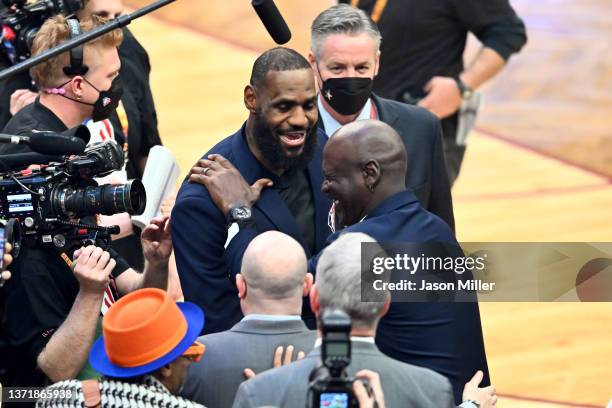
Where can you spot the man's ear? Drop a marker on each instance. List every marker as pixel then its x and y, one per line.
pixel 371 174
pixel 314 300
pixel 241 285
pixel 76 86
pixel 165 371
pixel 308 281
pixel 250 98
pixel 315 70
pixel 385 308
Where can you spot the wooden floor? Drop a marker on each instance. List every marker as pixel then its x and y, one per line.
pixel 539 168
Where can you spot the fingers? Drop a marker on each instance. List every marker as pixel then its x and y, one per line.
pixel 278 354
pixel 84 254
pixel 288 355
pixel 477 378
pixel 300 355
pixel 109 267
pixel 248 373
pixel 95 255
pixel 7 247
pixel 360 393
pixel 221 160
pixel 261 184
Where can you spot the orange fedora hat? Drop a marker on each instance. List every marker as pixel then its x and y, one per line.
pixel 144 331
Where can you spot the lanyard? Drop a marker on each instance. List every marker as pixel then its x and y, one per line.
pixel 377 11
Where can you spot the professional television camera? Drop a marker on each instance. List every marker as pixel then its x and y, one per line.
pixel 330 387
pixel 49 201
pixel 21 20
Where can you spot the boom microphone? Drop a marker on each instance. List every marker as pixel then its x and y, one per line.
pixel 272 20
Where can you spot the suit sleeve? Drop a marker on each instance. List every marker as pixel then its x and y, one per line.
pixel 198 235
pixel 440 201
pixel 243 397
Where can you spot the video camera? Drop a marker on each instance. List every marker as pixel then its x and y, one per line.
pixel 330 387
pixel 20 22
pixel 48 201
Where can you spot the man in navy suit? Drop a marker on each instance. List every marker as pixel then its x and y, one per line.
pixel 345 56
pixel 364 164
pixel 280 147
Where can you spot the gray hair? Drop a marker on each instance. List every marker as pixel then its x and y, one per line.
pixel 341 19
pixel 338 280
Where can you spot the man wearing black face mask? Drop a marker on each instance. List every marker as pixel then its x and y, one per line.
pixel 278 147
pixel 69 96
pixel 53 304
pixel 345 57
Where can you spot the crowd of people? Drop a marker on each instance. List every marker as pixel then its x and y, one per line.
pixel 267 227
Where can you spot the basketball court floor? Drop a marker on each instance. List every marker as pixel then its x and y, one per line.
pixel 538 167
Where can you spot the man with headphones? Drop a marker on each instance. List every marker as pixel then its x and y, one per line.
pixel 53 304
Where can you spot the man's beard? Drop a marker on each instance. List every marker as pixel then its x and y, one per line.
pixel 268 143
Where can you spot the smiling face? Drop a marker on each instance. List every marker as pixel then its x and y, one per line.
pixel 285 118
pixel 344 183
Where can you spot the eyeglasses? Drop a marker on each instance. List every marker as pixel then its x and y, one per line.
pixel 195 352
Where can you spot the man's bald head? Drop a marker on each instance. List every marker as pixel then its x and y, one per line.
pixel 364 163
pixel 365 140
pixel 274 267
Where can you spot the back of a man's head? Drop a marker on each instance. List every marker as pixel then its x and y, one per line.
pixel 55 31
pixel 274 268
pixel 338 281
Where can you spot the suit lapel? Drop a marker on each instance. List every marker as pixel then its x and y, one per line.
pixel 384 115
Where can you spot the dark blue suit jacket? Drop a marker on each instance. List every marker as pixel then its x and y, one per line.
pixel 446 337
pixel 206 268
pixel 422 135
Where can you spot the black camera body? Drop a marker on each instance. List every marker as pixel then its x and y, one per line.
pixel 21 21
pixel 330 387
pixel 48 202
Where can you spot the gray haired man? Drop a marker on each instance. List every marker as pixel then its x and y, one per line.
pixel 345 57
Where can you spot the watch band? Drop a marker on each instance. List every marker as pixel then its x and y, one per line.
pixel 464 90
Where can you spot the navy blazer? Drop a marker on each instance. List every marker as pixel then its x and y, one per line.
pixel 445 337
pixel 206 267
pixel 422 135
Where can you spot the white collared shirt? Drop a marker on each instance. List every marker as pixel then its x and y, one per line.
pixel 370 340
pixel 331 125
pixel 270 318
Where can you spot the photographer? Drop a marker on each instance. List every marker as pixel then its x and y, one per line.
pixel 53 305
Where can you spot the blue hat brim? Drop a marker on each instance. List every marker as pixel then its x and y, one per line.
pixel 195 323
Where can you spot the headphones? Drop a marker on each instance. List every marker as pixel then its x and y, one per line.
pixel 76 66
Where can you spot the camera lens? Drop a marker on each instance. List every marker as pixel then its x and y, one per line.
pixel 106 200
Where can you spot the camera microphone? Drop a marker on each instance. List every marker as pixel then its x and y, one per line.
pixel 273 20
pixel 72 141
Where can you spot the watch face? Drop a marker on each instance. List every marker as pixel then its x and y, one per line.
pixel 241 213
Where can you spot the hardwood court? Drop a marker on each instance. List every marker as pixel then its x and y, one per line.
pixel 538 169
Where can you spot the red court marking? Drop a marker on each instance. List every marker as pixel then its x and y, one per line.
pixel 548 401
pixel 525 146
pixel 511 195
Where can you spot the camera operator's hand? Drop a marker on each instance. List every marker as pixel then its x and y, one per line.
pixel 156 241
pixel 21 98
pixel 485 397
pixel 4 274
pixel 281 357
pixel 225 184
pixel 367 400
pixel 93 268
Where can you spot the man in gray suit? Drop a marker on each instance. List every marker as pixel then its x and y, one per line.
pixel 271 286
pixel 338 286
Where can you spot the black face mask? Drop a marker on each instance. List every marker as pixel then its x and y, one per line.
pixel 347 95
pixel 107 101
